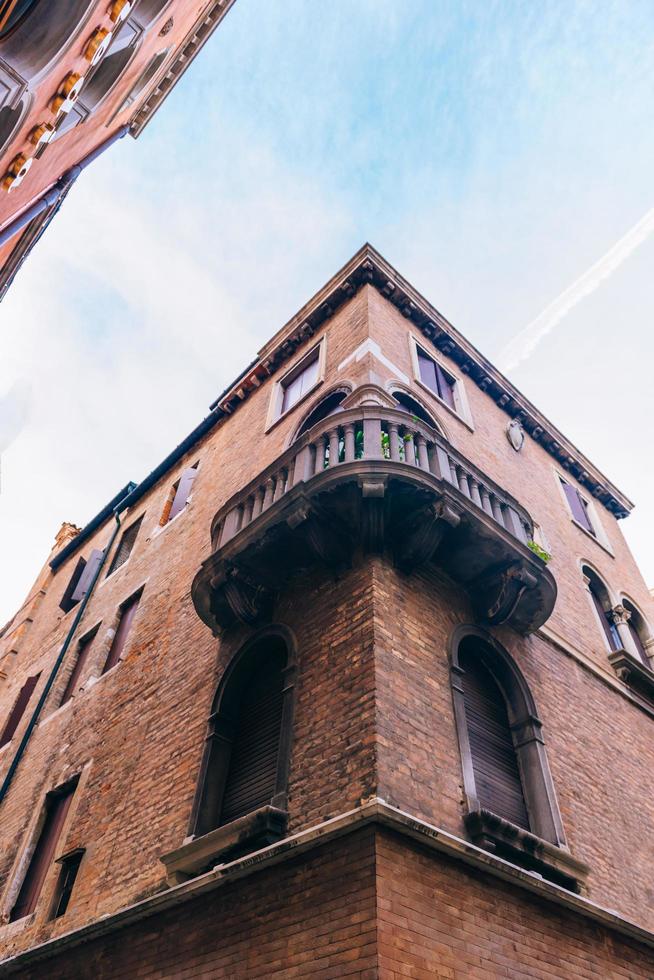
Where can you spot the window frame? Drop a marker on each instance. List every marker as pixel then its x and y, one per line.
pixel 543 848
pixel 219 760
pixel 276 411
pixel 599 537
pixel 461 411
pixel 133 600
pixel 112 568
pixel 603 627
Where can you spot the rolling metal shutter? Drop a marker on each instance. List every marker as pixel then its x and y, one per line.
pixel 494 759
pixel 252 771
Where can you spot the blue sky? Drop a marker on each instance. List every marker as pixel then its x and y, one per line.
pixel 491 151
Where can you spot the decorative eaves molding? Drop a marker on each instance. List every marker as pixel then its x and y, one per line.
pixel 187 51
pixel 368 267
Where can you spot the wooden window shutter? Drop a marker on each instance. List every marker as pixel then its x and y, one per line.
pixel 120 637
pixel 56 810
pixel 67 601
pixel 578 506
pixel 18 709
pixel 87 575
pixel 125 546
pixel 252 773
pixel 427 369
pixel 183 492
pixel 82 655
pixel 494 758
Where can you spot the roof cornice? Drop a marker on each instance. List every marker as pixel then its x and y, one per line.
pixel 368 267
pixel 189 48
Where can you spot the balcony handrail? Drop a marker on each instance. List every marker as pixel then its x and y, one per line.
pixel 368 433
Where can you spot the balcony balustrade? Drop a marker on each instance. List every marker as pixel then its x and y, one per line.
pixel 377 479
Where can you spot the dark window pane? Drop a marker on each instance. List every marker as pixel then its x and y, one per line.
pixel 18 709
pixel 120 638
pixel 69 868
pixel 610 630
pixel 83 649
pixel 56 810
pixel 125 546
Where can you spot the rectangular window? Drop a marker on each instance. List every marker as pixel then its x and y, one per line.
pixel 178 497
pixel 125 547
pixel 127 614
pixel 83 648
pixel 18 710
pixel 300 381
pixel 436 379
pixel 81 580
pixel 57 805
pixel 69 867
pixel 578 506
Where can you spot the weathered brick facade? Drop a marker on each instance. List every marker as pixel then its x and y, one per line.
pixel 362 883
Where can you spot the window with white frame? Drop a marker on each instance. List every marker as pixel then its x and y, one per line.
pixel 298 382
pixel 439 381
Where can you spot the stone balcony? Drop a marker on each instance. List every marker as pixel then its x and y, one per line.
pixel 374 478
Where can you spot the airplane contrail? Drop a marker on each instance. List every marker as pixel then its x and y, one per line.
pixel 525 342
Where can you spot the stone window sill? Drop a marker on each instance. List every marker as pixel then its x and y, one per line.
pixel 249 833
pixel 633 672
pixel 521 847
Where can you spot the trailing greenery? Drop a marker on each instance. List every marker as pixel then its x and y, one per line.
pixel 539 552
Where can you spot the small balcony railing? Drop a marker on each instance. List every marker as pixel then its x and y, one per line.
pixel 375 477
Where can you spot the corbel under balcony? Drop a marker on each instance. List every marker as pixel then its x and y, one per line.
pixel 633 672
pixel 373 478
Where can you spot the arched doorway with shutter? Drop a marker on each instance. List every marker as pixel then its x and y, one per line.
pixel 511 806
pixel 244 772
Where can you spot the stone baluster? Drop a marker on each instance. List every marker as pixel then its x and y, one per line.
pixel 349 442
pixel 269 493
pixel 303 469
pixel 258 502
pixel 421 451
pixel 394 441
pixel 333 447
pixel 474 491
pixel 497 510
pixel 463 481
pixel 443 470
pixel 485 501
pixel 513 523
pixel 280 484
pixel 409 449
pixel 372 445
pixel 247 513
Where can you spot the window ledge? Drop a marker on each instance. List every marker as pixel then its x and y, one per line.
pixel 162 528
pixel 499 836
pixel 249 833
pixel 459 416
pixel 593 537
pixel 632 672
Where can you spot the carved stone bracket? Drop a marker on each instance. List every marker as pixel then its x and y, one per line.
pixel 499 592
pixel 418 536
pixel 249 601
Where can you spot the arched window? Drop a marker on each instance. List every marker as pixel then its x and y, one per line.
pixel 406 403
pixel 601 601
pixel 511 803
pixel 639 631
pixel 245 768
pixel 494 758
pixel 112 66
pixel 328 405
pixel 10 119
pixel 34 32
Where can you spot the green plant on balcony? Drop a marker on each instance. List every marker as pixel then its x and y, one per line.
pixel 544 556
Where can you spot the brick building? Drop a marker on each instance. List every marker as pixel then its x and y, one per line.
pixel 75 76
pixel 356 682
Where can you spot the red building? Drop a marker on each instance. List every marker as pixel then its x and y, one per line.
pixel 356 683
pixel 75 76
